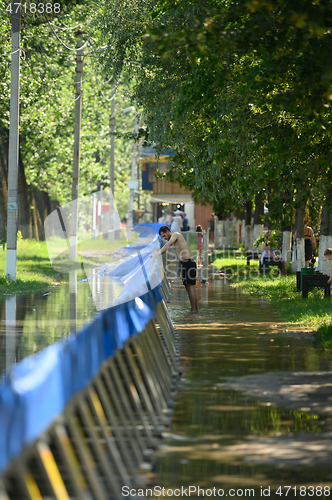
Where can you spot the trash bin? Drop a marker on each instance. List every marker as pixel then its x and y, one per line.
pixel 306 270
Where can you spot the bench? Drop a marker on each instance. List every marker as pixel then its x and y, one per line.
pixel 310 281
pixel 266 264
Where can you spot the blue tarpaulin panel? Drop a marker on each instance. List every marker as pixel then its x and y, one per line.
pixel 152 225
pixel 37 389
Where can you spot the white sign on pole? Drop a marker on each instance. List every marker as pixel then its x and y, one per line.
pixel 133 184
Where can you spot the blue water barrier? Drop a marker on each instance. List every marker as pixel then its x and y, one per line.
pixel 38 388
pixel 123 365
pixel 131 269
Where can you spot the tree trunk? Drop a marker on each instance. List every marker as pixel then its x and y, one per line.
pixel 286 246
pixel 34 214
pixel 42 208
pixel 299 227
pixel 30 220
pixel 258 228
pixel 247 240
pixel 39 212
pixel 23 201
pixel 271 205
pixel 240 215
pixel 287 236
pixel 324 235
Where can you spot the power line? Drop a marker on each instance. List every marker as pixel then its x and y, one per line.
pixel 88 76
pixel 54 80
pixel 66 28
pixel 68 48
pixel 17 50
pixel 103 85
pixel 49 94
pixel 111 99
pixel 94 50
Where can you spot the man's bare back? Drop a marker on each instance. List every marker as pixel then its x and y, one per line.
pixel 181 246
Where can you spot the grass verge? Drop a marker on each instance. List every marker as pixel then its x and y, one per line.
pixel 313 312
pixel 324 336
pixel 34 271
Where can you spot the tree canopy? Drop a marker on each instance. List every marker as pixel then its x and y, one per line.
pixel 241 90
pixel 47 105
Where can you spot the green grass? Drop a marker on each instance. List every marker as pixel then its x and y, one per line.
pixel 236 266
pixel 34 271
pixel 313 312
pixel 324 336
pixel 103 244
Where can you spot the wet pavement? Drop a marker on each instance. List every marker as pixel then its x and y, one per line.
pixel 244 425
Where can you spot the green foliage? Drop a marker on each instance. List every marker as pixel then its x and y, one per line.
pixel 19 237
pixel 47 106
pixel 240 90
pixel 268 239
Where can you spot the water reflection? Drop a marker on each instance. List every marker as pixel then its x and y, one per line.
pixel 73 300
pixel 10 335
pixel 225 438
pixel 28 324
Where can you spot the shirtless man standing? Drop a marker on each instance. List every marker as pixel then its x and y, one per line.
pixel 187 264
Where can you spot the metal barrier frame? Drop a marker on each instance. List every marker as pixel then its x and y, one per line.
pixel 106 436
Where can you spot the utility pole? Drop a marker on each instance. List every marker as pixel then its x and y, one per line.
pixel 138 194
pixel 99 210
pixel 132 183
pixel 112 197
pixel 13 150
pixel 77 138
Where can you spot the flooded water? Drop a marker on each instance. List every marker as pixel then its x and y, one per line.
pixel 242 425
pixel 225 440
pixel 28 324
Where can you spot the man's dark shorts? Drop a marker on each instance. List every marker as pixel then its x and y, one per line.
pixel 188 271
